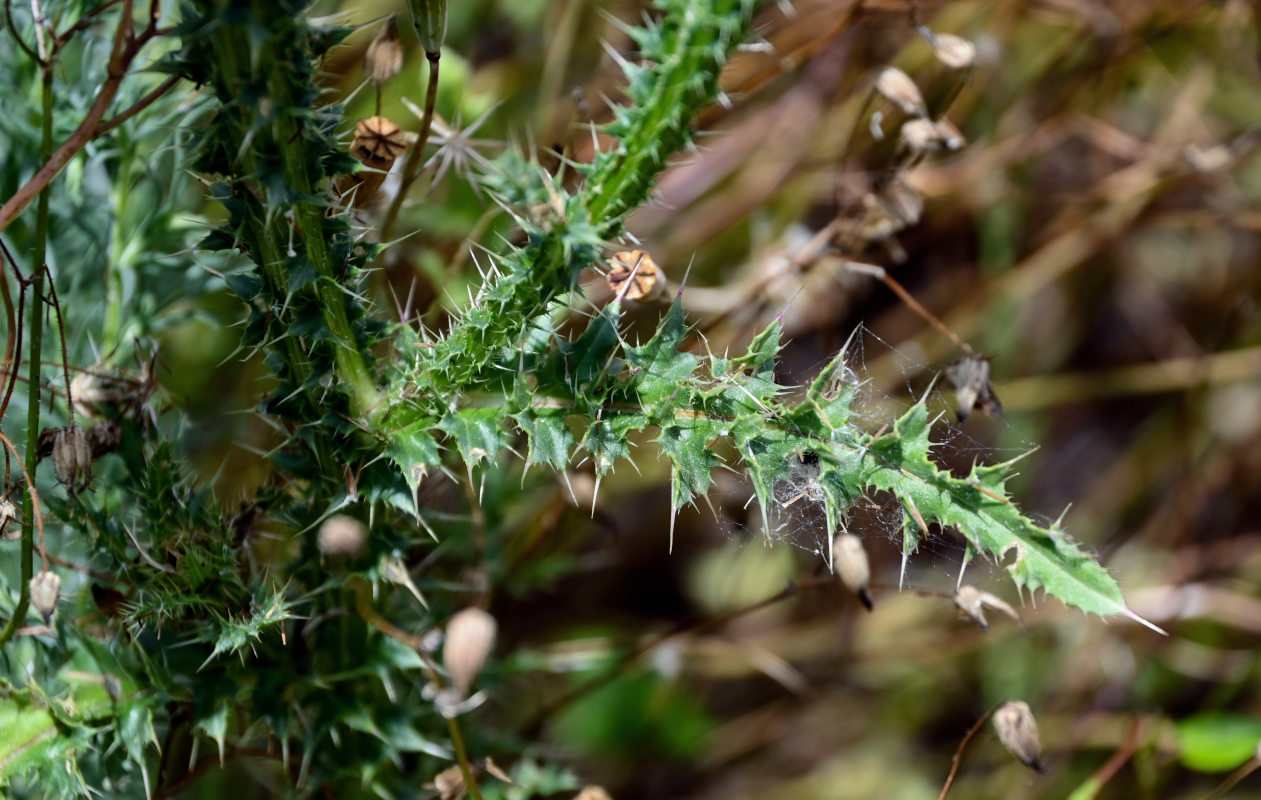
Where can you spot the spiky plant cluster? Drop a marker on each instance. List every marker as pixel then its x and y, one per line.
pixel 220 655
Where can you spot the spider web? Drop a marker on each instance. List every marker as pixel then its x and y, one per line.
pixel 887 381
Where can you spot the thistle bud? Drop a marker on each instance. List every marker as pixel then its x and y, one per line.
pixel 635 276
pixel 1018 731
pixel 897 87
pixel 384 57
pixel 470 637
pixel 72 458
pixel 45 588
pixel 430 19
pixel 342 536
pixel 850 561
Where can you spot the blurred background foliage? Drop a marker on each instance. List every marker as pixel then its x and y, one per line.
pixel 1096 237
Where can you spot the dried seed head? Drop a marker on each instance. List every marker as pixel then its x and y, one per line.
pixel 1018 731
pixel 72 458
pixel 430 19
pixel 104 436
pixel 950 136
pixel 45 588
pixel 470 637
pixel 923 136
pixel 384 57
pixel 973 602
pixel 593 793
pixel 971 379
pixel 449 784
pixel 395 571
pixel 851 564
pixel 378 142
pixel 342 536
pixel 635 276
pixel 8 513
pixel 953 51
pixel 897 87
pixel 903 203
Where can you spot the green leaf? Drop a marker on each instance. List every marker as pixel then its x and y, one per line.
pixel 549 436
pixel 414 451
pixel 658 367
pixel 1218 741
pixel 476 431
pixel 28 732
pixel 687 445
pixel 1042 558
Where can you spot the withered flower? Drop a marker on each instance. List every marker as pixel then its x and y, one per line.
pixel 341 535
pixel 470 637
pixel 8 513
pixel 971 379
pixel 1018 731
pixel 384 57
pixel 72 458
pixel 973 602
pixel 45 589
pixel 852 566
pixel 897 87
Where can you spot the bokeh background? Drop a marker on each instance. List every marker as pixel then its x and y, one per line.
pixel 1096 237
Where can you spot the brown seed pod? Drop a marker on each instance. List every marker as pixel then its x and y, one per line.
pixel 897 87
pixel 341 535
pixel 850 562
pixel 377 145
pixel 72 458
pixel 635 276
pixel 954 58
pixel 973 602
pixel 384 57
pixel 45 589
pixel 470 637
pixel 378 142
pixel 8 513
pixel 1018 731
pixel 971 379
pixel 395 571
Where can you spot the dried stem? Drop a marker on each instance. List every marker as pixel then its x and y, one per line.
pixel 881 274
pixel 411 165
pixel 958 756
pixel 126 46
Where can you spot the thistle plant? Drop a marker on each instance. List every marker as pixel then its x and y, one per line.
pixel 201 639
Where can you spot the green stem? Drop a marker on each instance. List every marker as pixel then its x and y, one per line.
pixel 36 321
pixel 461 757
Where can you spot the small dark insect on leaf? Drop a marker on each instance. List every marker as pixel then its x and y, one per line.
pixel 971 379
